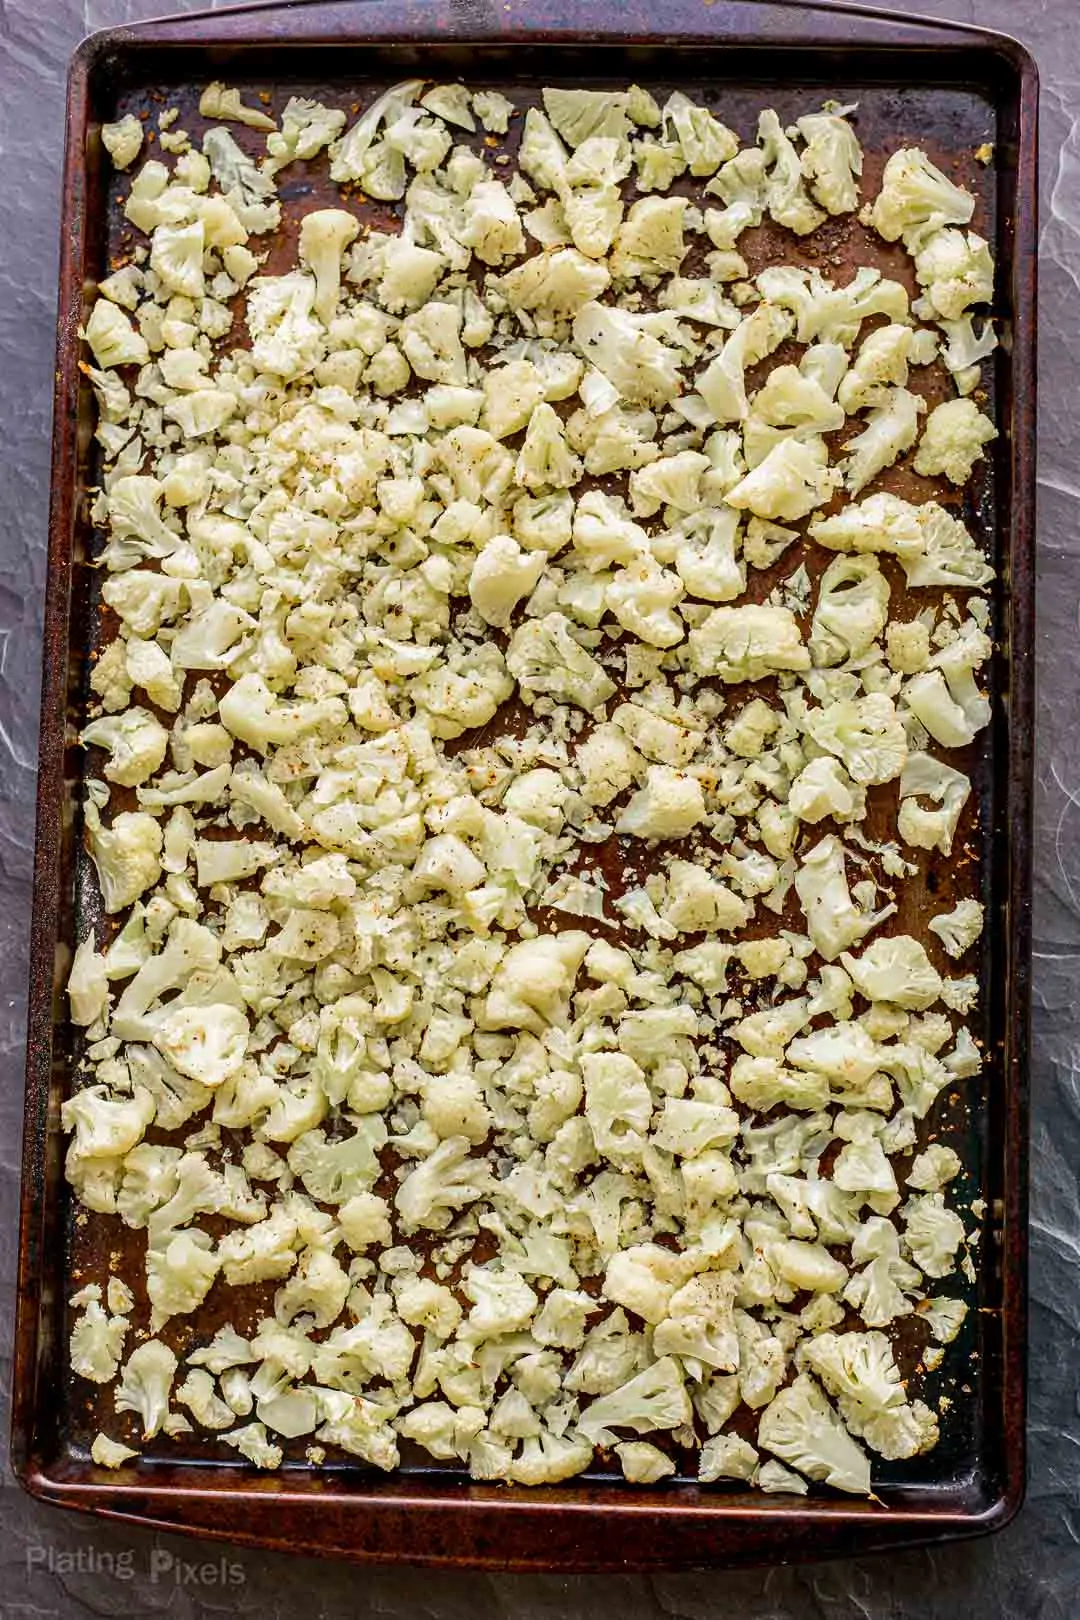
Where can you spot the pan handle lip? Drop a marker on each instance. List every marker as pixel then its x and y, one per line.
pixel 794 22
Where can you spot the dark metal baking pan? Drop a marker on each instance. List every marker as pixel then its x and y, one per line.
pixel 947 87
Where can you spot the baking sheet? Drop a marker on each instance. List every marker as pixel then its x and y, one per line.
pixel 968 1468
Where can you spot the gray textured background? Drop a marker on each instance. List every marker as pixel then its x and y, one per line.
pixel 54 1564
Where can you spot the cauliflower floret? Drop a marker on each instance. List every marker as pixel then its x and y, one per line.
pixel 642 1463
pixel 533 982
pixel 650 239
pixel 218 101
pixel 722 384
pixel 113 338
pixel 880 365
pixel 655 1399
pixel 949 789
pixel 747 643
pixel 466 691
pixel 823 788
pixel 959 928
pixel 642 598
pixel 629 351
pixel 892 427
pixel 700 1325
pixel 965 351
pixel 852 608
pixel 644 1277
pixel 324 236
pixel 146 1385
pixel 833 920
pixel 493 229
pixel 916 200
pixel 105 1452
pixel 137 744
pixel 88 984
pixel 800 1426
pixel 318 1288
pixel 123 142
pixel 895 969
pixel 956 270
pixel 493 110
pixel 126 855
pixel 208 1043
pixel 176 257
pixel 953 440
pixel 252 712
pixel 251 1442
pixel 544 657
pixel 696 902
pixel 556 284
pixel 287 340
pixel 502 574
pixel 791 480
pixel 831 160
pixel 545 460
pixel 440 1185
pixel 669 805
pixel 860 1371
pixel 785 190
pixel 502 1300
pixel 934 1168
pixel 907 646
pixel 727 1456
pixel 306 127
pixel 97 1343
pixel 360 155
pixel 932 1234
pixel 618 1105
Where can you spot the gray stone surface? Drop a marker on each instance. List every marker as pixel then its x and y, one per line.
pixel 52 1564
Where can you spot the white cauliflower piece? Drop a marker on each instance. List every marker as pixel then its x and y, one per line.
pixel 324 235
pixel 654 1399
pixel 137 744
pixel 669 805
pixel 953 439
pixel 97 1343
pixel 932 1233
pixel 851 612
pixel 833 920
pixel 802 1428
pixel 440 1185
pixel 916 200
pixel 956 270
pixel 895 969
pixel 786 196
pixel 892 427
pixel 545 658
pixel 123 140
pixel 88 984
pixel 747 643
pixel 788 483
pixel 629 351
pixel 501 576
pixel 959 928
pixel 113 338
pixel 831 160
pixel 618 1105
pixel 146 1385
pixel 126 855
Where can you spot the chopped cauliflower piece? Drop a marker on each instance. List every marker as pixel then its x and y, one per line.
pixel 953 439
